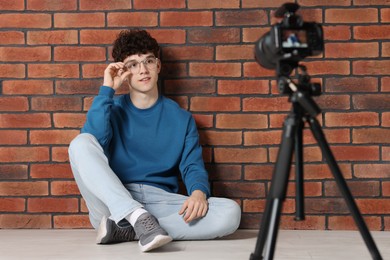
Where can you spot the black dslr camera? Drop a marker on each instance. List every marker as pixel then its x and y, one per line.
pixel 289 41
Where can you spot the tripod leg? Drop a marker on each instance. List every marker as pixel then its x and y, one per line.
pixel 270 221
pixel 299 189
pixel 319 135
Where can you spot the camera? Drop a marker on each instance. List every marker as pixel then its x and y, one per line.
pixel 289 41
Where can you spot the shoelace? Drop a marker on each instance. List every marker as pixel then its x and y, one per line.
pixel 148 223
pixel 122 234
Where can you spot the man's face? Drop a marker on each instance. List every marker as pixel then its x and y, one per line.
pixel 144 70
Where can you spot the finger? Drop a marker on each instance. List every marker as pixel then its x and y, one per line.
pixel 189 212
pixel 183 208
pixel 193 215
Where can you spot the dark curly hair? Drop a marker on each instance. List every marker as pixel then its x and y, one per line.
pixel 135 41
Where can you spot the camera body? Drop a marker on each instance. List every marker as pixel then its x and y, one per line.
pixel 289 41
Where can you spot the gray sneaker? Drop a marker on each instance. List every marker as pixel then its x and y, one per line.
pixel 110 233
pixel 149 232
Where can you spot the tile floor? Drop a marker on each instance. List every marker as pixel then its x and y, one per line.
pixel 294 245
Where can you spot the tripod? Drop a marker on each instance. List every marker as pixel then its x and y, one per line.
pixel 303 109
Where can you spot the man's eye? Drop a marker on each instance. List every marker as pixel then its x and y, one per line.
pixel 150 61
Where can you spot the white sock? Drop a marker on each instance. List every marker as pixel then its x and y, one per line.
pixel 132 218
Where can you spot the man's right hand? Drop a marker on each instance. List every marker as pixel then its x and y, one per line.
pixel 115 74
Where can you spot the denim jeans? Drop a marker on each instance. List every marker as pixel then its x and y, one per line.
pixel 106 195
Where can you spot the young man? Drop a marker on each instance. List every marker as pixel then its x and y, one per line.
pixel 127 159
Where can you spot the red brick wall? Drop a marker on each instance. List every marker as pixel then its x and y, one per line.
pixel 52 56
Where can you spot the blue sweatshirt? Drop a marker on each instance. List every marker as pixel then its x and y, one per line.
pixel 148 146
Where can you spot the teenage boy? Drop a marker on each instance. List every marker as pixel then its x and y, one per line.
pixel 130 151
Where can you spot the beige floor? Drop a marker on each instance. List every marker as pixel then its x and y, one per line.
pixel 79 244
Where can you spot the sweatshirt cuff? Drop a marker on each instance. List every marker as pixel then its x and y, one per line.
pixel 106 91
pixel 202 188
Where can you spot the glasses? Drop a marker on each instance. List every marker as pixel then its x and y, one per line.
pixel 135 66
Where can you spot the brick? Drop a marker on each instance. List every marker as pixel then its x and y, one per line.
pixel 310 223
pixel 28 87
pixel 228 87
pixel 371 101
pixel 13 171
pixel 308 15
pixel 64 188
pixel 371 67
pixel 52 136
pixel 372 32
pixel 51 171
pixel 175 53
pixel 204 121
pixel 53 70
pixel 76 20
pixel 371 2
pixel 253 69
pixel 25 20
pixel 325 205
pixel 73 87
pixel 24 154
pixel 52 205
pixel 59 154
pixel 193 18
pixel 357 15
pixel 262 137
pixel 51 5
pixel 13 137
pixel 200 69
pixel 253 205
pixel 311 189
pixel 356 153
pixel 25 53
pixel 372 170
pixel 258 172
pixel 240 155
pixel 12 71
pixel 208 137
pixel 351 50
pixel 93 70
pixel 325 3
pixel 352 84
pixel 357 188
pixel 189 86
pixel 98 36
pixel 264 3
pixel 277 120
pixel 52 37
pixel 266 104
pixel 11 37
pixel 385 84
pixel 234 52
pixel 385 15
pixel 224 172
pixel 387 223
pixel 214 35
pixel 174 70
pixel 215 104
pixel 12 5
pixel 104 5
pixel 145 19
pixel 322 171
pixel 36 221
pixel 386 188
pixel 310 154
pixel 237 190
pixel 30 120
pixel 245 17
pixel 386 119
pixel 175 36
pixel 56 103
pixel 79 53
pixel 72 221
pixel 371 136
pixel 157 5
pixel 334 136
pixel 39 188
pixel 69 120
pixel 337 32
pixel 13 104
pixel 333 102
pixel 253 34
pixel 352 119
pixel 386 153
pixel 241 121
pixel 373 206
pixel 328 67
pixel 348 223
pixel 12 204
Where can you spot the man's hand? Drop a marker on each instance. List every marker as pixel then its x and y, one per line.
pixel 114 75
pixel 194 207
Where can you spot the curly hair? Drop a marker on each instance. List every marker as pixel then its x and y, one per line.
pixel 135 41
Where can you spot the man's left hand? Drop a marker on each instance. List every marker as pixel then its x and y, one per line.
pixel 194 207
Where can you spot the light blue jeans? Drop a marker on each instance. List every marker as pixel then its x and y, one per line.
pixel 106 195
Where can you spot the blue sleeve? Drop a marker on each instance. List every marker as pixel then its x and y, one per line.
pixel 194 174
pixel 98 117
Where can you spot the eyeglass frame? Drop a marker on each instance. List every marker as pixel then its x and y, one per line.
pixel 144 62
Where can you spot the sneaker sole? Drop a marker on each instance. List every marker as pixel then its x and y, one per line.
pixel 157 242
pixel 102 231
